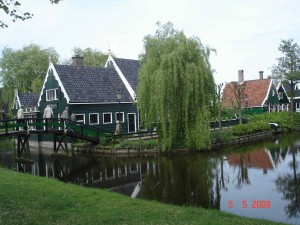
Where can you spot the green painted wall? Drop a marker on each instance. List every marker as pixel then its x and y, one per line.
pixel 126 108
pixel 61 101
pixel 283 100
pixel 272 97
pixel 254 110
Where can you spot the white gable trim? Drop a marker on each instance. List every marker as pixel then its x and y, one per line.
pixel 281 85
pixel 123 78
pixel 51 67
pixel 270 85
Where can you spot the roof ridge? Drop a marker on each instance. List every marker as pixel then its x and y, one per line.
pixel 259 79
pixel 84 67
pixel 126 59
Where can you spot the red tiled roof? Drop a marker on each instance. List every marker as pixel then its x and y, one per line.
pixel 256 90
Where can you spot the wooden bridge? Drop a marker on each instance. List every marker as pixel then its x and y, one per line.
pixel 59 128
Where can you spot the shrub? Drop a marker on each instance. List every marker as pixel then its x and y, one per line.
pixel 139 144
pixel 109 141
pixel 282 118
pixel 221 135
pixel 250 128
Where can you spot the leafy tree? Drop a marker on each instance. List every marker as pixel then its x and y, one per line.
pixel 92 57
pixel 24 69
pixel 11 9
pixel 176 87
pixel 288 67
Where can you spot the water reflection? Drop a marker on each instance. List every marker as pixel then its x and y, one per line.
pixel 289 183
pixel 223 180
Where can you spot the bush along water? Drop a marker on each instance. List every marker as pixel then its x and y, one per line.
pixel 250 128
pixel 284 119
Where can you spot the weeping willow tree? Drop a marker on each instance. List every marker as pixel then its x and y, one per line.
pixel 176 88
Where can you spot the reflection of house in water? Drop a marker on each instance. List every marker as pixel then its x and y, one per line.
pixel 125 179
pixel 260 159
pixel 121 176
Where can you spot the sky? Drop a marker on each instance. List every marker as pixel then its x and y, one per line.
pixel 245 34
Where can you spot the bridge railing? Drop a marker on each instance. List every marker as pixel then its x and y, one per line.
pixel 84 129
pixel 50 124
pixel 8 125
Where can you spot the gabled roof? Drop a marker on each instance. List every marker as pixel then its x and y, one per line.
pixel 128 71
pixel 91 84
pixel 287 88
pixel 129 68
pixel 256 90
pixel 28 99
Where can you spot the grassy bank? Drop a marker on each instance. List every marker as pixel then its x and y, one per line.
pixel 26 199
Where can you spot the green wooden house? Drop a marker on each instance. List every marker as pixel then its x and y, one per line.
pixel 296 93
pixel 283 98
pixel 97 96
pixel 28 102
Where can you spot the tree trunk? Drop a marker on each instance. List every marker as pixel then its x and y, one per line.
pixel 219 115
pixel 240 116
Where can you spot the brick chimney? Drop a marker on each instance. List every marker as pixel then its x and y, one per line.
pixel 261 75
pixel 241 76
pixel 77 60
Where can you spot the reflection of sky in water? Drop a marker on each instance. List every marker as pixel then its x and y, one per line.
pixel 262 187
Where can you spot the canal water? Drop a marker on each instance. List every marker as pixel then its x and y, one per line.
pixel 260 180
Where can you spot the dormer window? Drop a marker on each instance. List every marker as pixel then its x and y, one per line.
pixel 51 94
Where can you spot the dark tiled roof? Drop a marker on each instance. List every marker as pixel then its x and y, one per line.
pixel 130 69
pixel 287 88
pixel 29 99
pixel 91 84
pixel 256 90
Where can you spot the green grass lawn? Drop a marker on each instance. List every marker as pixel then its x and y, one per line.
pixel 27 199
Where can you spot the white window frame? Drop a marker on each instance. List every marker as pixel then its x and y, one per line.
pixel 97 118
pixel 135 124
pixel 110 117
pixel 51 94
pixel 80 121
pixel 116 118
pixel 297 107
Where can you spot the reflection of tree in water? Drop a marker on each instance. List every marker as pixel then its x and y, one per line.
pixel 221 181
pixel 289 185
pixel 182 181
pixel 242 176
